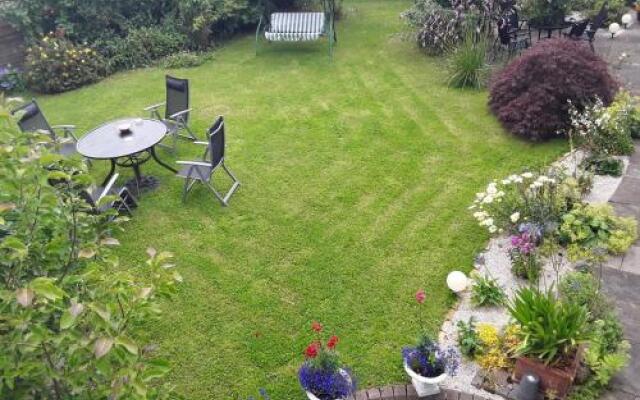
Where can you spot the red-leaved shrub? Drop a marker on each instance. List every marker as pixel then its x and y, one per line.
pixel 530 95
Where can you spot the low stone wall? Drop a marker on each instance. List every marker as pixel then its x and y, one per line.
pixel 407 392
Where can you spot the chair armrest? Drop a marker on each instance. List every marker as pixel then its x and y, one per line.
pixel 67 130
pixel 108 187
pixel 180 113
pixel 201 143
pixel 154 107
pixel 194 163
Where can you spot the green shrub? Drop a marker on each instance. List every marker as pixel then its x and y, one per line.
pixel 634 123
pixel 71 313
pixel 467 63
pixel 468 340
pixel 185 59
pixel 141 47
pixel 604 130
pixel 602 165
pixel 550 330
pixel 57 65
pixel 583 289
pixel 591 231
pixel 526 266
pixel 486 291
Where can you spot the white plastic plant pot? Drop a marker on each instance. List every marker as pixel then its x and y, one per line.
pixel 312 396
pixel 424 386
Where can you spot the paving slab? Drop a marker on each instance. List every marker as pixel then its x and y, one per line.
pixel 628 192
pixel 627 210
pixel 631 261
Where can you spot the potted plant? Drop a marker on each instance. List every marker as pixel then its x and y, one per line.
pixel 426 363
pixel 551 332
pixel 322 376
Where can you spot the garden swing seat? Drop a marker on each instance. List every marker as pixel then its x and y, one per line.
pixel 299 26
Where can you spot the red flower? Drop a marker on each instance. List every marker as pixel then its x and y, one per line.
pixel 421 296
pixel 333 341
pixel 316 326
pixel 312 350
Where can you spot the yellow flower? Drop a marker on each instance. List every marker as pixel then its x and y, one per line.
pixel 488 335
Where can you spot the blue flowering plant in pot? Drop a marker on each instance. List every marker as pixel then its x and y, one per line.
pixel 322 376
pixel 427 363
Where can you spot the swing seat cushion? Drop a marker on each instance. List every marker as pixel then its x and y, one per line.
pixel 293 27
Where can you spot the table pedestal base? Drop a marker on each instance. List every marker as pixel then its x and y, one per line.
pixel 143 184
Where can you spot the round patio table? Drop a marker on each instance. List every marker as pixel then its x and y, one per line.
pixel 130 148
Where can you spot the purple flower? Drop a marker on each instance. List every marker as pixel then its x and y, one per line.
pixel 428 359
pixel 326 384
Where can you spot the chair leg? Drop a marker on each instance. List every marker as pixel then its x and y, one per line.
pixel 234 187
pixel 189 135
pixel 217 194
pixel 185 190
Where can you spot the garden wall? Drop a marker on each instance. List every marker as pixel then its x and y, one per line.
pixel 11 45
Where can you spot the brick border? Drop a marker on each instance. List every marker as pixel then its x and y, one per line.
pixel 407 392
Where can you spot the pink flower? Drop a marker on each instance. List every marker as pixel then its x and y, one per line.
pixel 333 341
pixel 421 296
pixel 316 326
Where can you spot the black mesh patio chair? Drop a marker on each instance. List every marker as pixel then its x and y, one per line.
pixel 514 35
pixel 577 29
pixel 586 30
pixel 202 171
pixel 33 120
pixel 124 201
pixel 176 110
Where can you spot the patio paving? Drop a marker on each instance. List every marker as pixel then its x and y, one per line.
pixel 621 280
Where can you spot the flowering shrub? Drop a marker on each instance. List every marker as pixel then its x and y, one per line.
pixel 490 348
pixel 530 95
pixel 591 231
pixel 321 373
pixel 528 197
pixel 603 130
pixel 57 65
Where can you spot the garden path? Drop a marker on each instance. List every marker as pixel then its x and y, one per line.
pixel 621 280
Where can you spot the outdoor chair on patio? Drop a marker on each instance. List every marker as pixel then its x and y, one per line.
pixel 213 157
pixel 176 110
pixel 123 202
pixel 513 34
pixel 299 26
pixel 586 30
pixel 33 120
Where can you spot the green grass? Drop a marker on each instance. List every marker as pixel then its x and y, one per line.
pixel 356 179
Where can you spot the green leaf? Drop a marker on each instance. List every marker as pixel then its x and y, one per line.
pixel 66 320
pixel 46 287
pixel 127 344
pixel 155 369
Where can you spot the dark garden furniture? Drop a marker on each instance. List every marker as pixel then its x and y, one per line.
pixel 124 200
pixel 127 143
pixel 299 26
pixel 513 34
pixel 586 30
pixel 176 110
pixel 202 170
pixel 31 119
pixel 549 29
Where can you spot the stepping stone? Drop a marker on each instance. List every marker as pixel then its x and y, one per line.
pixel 627 210
pixel 628 192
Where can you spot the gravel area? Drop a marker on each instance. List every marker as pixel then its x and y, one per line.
pixel 494 261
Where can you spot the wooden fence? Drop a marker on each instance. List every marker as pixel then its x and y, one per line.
pixel 11 45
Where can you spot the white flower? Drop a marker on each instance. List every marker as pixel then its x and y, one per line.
pixel 493 229
pixel 527 175
pixel 491 189
pixel 488 200
pixel 506 181
pixel 488 222
pixel 480 215
pixel 500 194
pixel 515 217
pixel 517 179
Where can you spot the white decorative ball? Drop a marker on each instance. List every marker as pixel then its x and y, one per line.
pixel 614 28
pixel 457 281
pixel 627 19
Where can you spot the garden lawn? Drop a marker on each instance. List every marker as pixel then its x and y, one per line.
pixel 356 178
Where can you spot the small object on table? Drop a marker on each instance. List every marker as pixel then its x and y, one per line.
pixel 126 143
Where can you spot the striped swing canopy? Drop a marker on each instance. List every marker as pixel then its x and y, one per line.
pixel 299 26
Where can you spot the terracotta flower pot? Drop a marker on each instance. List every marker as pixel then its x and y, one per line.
pixel 552 379
pixel 424 386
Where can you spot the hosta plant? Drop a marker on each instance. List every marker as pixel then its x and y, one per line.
pixel 591 231
pixel 550 330
pixel 486 291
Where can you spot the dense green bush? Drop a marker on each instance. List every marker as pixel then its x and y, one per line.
pixel 56 65
pixel 185 59
pixel 70 313
pixel 141 47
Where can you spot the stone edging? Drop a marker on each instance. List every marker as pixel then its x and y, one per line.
pixel 407 392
